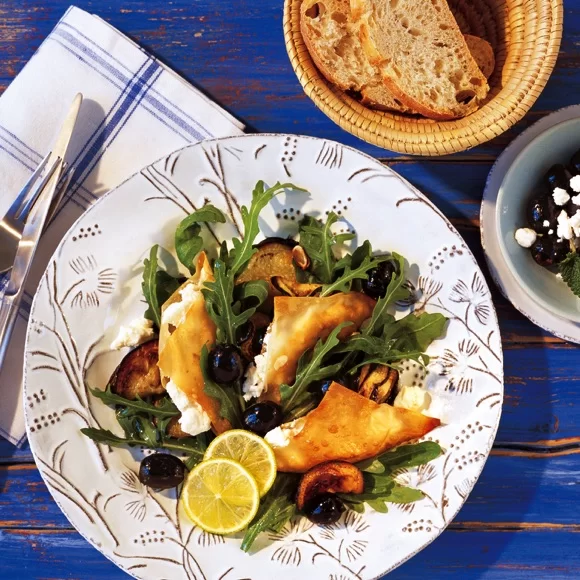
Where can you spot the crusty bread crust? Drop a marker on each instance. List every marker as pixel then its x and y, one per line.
pixel 422 56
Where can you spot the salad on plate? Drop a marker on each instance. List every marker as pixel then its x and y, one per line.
pixel 266 378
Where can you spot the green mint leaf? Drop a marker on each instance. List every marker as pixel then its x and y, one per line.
pixel 165 409
pixel 188 242
pixel 157 286
pixel 570 270
pixel 261 197
pixel 311 368
pixel 226 396
pixel 276 509
pixel 318 242
pixel 411 455
pixel 395 292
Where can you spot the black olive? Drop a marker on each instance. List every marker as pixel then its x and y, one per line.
pixel 542 209
pixel 319 388
pixel 258 340
pixel 542 251
pixel 560 249
pixel 262 417
pixel 324 509
pixel 161 471
pixel 225 363
pixel 556 176
pixel 245 332
pixel 378 280
pixel 574 165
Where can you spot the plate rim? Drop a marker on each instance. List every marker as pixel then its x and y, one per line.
pixel 411 187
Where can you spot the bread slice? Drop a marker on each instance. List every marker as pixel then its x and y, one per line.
pixel 421 54
pixel 336 50
pixel 482 52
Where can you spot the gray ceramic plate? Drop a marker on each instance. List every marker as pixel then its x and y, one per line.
pixel 555 145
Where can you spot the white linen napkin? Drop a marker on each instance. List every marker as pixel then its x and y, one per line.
pixel 135 111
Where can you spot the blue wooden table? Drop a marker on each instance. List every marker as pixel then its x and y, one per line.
pixel 523 518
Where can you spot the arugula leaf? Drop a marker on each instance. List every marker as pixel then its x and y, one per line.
pixel 275 510
pixel 344 282
pixel 417 332
pixel 395 292
pixel 191 445
pixel 570 270
pixel 222 306
pixel 311 368
pixel 157 286
pixel 188 242
pixel 166 408
pixel 318 242
pixel 411 455
pixel 261 197
pixel 228 399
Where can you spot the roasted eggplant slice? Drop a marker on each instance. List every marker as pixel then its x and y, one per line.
pixel 290 287
pixel 377 382
pixel 138 373
pixel 253 335
pixel 329 477
pixel 273 258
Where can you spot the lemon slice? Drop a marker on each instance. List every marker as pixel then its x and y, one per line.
pixel 251 451
pixel 220 496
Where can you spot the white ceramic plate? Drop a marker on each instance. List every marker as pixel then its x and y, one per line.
pixel 500 270
pixel 92 285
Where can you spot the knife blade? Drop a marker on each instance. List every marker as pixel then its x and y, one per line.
pixel 10 301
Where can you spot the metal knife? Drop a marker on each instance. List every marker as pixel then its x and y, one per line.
pixel 10 301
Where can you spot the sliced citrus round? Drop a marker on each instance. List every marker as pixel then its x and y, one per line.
pixel 220 496
pixel 251 451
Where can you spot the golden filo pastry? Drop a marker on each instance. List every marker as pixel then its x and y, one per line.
pixel 345 426
pixel 298 325
pixel 185 329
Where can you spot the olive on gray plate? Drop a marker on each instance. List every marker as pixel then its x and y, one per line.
pixel 262 417
pixel 161 471
pixel 549 251
pixel 378 280
pixel 542 209
pixel 324 509
pixel 556 176
pixel 225 363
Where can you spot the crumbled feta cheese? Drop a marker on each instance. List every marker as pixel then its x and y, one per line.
pixel 194 420
pixel 560 196
pixel 576 198
pixel 255 381
pixel 525 237
pixel 138 331
pixel 574 222
pixel 546 224
pixel 559 276
pixel 575 184
pixel 280 436
pixel 277 437
pixel 175 313
pixel 564 227
pixel 550 232
pixel 413 398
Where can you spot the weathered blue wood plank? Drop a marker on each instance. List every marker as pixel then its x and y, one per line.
pixel 511 491
pixel 494 555
pixel 239 57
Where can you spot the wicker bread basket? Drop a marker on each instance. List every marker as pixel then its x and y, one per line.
pixel 525 35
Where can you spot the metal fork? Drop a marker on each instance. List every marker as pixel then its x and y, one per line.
pixel 12 225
